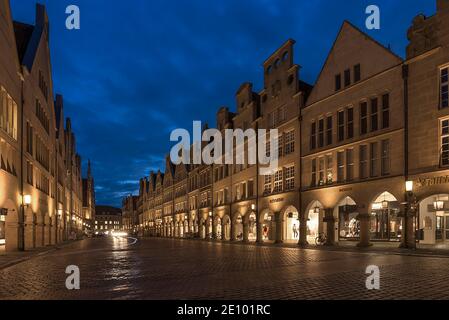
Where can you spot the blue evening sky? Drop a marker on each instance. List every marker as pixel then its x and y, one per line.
pixel 139 68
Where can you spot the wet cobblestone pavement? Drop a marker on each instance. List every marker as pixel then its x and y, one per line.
pixel 183 269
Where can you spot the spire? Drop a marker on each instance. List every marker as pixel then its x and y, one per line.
pixel 89 169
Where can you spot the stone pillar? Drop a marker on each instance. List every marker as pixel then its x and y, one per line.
pixel 233 222
pixel 245 230
pixel 259 235
pixel 223 230
pixel 279 221
pixel 47 231
pixel 408 240
pixel 214 229
pixel 303 230
pixel 330 226
pixel 364 219
pixel 30 231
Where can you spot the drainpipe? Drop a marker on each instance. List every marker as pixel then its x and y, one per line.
pixel 21 239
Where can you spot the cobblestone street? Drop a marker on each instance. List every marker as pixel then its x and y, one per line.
pixel 176 269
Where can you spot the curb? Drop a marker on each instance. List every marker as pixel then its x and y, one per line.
pixel 35 255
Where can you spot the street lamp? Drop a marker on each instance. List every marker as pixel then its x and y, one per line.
pixel 27 200
pixel 409 186
pixel 438 204
pixel 253 207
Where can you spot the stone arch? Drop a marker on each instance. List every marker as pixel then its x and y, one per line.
pixel 347 213
pixel 238 221
pixel 226 227
pixel 315 214
pixel 385 220
pixel 432 210
pixel 290 223
pixel 267 225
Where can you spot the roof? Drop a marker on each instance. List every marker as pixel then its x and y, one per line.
pixel 107 210
pixel 23 33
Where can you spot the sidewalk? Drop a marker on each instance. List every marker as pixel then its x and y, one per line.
pixel 8 259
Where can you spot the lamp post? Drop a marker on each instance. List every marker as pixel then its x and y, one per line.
pixel 409 208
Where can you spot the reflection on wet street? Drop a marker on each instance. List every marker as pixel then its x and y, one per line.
pixel 123 268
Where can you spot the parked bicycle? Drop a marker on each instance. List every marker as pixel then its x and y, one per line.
pixel 321 239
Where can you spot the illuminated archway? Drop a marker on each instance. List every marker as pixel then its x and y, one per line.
pixel 291 224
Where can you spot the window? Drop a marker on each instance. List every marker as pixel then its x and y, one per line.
pixel 341 125
pixel 329 169
pixel 280 146
pixel 385 111
pixel 289 142
pixel 313 136
pixel 250 188
pixel 290 178
pixel 363 162
pixel 385 164
pixel 347 77
pixel 444 85
pixel 337 82
pixel 313 180
pixel 374 158
pixel 29 140
pixel 30 179
pixel 349 164
pixel 329 131
pixel 8 114
pixel 374 117
pixel 357 73
pixel 281 115
pixel 268 147
pixel 445 142
pixel 321 133
pixel 267 184
pixel 350 123
pixel 278 181
pixel 321 171
pixel 363 118
pixel 341 166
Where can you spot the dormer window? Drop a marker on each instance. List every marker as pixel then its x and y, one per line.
pixel 277 63
pixel 285 56
pixel 269 69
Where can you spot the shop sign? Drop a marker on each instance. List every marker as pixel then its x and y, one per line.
pixel 345 189
pixel 427 182
pixel 276 200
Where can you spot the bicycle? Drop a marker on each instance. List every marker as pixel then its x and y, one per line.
pixel 321 239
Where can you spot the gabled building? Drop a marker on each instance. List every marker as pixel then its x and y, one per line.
pixel 40 172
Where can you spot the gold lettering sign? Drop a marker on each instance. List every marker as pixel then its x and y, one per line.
pixel 277 200
pixel 427 182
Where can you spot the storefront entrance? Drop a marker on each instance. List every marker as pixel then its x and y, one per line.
pixel 252 227
pixel 267 230
pixel 292 226
pixel 219 228
pixel 434 219
pixel 348 224
pixel 239 228
pixel 385 223
pixel 313 222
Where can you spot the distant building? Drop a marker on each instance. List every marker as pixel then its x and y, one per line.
pixel 89 199
pixel 108 219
